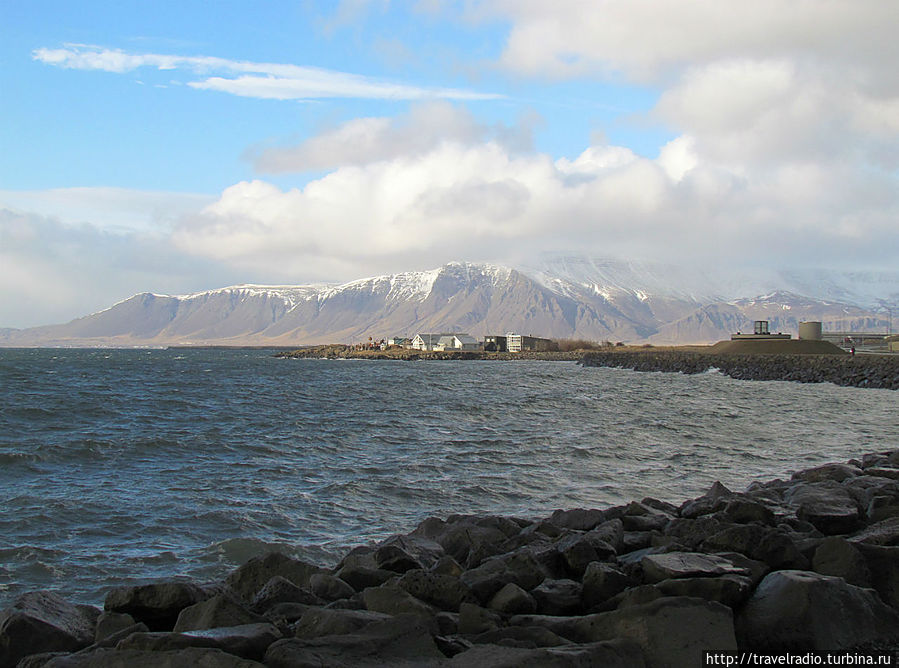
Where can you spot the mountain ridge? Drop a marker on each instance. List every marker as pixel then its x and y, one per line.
pixel 571 297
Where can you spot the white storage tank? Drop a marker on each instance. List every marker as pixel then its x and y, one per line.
pixel 810 331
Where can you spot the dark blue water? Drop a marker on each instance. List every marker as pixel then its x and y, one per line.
pixel 122 466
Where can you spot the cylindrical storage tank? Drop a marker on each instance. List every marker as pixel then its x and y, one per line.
pixel 810 331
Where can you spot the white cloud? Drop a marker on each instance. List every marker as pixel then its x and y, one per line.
pixel 678 157
pixel 647 39
pixel 481 201
pixel 764 81
pixel 248 79
pixel 365 140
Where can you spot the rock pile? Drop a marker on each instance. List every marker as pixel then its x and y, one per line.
pixel 805 563
pixel 874 371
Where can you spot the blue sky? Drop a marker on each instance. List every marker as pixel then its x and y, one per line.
pixel 75 127
pixel 175 147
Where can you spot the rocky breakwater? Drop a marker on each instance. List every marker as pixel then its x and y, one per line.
pixel 809 562
pixel 874 371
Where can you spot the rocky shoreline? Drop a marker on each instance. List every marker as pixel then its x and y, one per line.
pixel 872 371
pixel 809 562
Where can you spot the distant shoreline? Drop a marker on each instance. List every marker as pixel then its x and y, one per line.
pixel 340 351
pixel 864 371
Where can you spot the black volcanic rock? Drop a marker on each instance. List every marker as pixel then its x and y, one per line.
pixel 728 571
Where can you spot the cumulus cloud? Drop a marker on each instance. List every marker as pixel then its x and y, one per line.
pixel 248 79
pixel 481 201
pixel 365 140
pixel 647 40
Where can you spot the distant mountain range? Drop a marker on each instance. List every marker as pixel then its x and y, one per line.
pixel 565 297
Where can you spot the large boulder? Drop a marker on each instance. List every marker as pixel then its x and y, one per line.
pixel 405 553
pixel 359 569
pixel 330 587
pixel 742 510
pixel 838 557
pixel 706 504
pixel 394 600
pixel 691 533
pixel 671 631
pixel 474 620
pixel 521 567
pixel 578 550
pixel 658 567
pixel 281 590
pixel 882 563
pixel 558 597
pixel 253 575
pixel 774 547
pixel 513 600
pixel 158 604
pixel 397 641
pixel 42 621
pixel 792 611
pixel 601 582
pixel 326 622
pixel 249 641
pixel 469 539
pixel 580 519
pixel 111 623
pixel 729 590
pixel 828 505
pixel 835 472
pixel 444 591
pixel 219 611
pixel 885 532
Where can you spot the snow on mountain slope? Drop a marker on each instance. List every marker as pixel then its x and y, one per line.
pixel 863 288
pixel 565 297
pixel 611 277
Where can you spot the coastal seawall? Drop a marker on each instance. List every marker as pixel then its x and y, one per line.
pixel 807 562
pixel 873 371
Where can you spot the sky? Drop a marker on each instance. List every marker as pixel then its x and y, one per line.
pixel 177 147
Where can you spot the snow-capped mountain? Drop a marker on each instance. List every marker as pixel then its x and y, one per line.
pixel 565 297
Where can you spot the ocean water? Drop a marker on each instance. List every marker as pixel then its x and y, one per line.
pixel 125 466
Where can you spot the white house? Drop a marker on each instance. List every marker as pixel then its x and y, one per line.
pixel 445 342
pixel 425 341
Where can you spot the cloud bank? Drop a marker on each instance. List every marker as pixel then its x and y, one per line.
pixel 51 271
pixel 440 200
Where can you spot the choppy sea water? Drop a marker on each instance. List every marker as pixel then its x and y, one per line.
pixel 124 466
